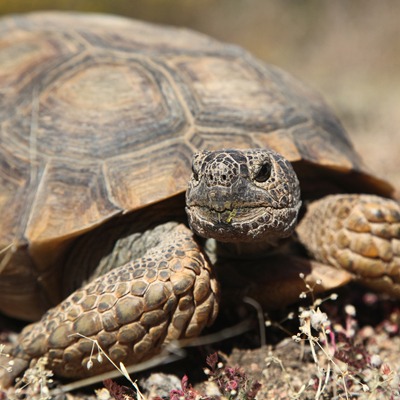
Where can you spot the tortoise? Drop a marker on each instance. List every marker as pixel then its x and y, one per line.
pixel 100 118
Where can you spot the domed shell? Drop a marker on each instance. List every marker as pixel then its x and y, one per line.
pixel 100 116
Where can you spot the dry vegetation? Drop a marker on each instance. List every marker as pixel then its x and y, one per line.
pixel 330 355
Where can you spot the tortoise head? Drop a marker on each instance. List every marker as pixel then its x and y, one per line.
pixel 242 196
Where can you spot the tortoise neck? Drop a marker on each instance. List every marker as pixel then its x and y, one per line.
pixel 118 241
pixel 242 250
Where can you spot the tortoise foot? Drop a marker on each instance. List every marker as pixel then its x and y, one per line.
pixel 360 233
pixel 132 312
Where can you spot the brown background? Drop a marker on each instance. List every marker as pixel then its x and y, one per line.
pixel 348 50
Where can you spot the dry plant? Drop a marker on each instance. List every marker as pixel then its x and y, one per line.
pixel 343 367
pixel 34 384
pixel 229 383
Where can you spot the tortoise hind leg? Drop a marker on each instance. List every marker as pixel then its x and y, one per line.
pixel 132 312
pixel 360 233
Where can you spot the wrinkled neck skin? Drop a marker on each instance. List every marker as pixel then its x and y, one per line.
pixel 243 250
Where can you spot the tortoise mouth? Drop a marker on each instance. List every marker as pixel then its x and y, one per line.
pixel 243 224
pixel 230 216
pixel 239 224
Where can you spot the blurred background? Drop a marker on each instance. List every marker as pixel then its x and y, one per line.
pixel 347 50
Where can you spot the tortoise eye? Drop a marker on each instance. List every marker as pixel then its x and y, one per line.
pixel 264 173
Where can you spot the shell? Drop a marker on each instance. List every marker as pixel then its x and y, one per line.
pixel 100 116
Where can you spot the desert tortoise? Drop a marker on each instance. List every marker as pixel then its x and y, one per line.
pixel 100 117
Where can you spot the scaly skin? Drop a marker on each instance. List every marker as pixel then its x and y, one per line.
pixel 360 233
pixel 243 196
pixel 132 311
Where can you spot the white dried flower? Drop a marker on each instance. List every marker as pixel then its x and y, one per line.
pixel 305 314
pixel 296 338
pixel 103 394
pixel 376 361
pixel 319 320
pixel 365 387
pixel 89 364
pixel 350 310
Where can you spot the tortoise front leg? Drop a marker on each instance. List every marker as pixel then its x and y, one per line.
pixel 132 311
pixel 360 233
